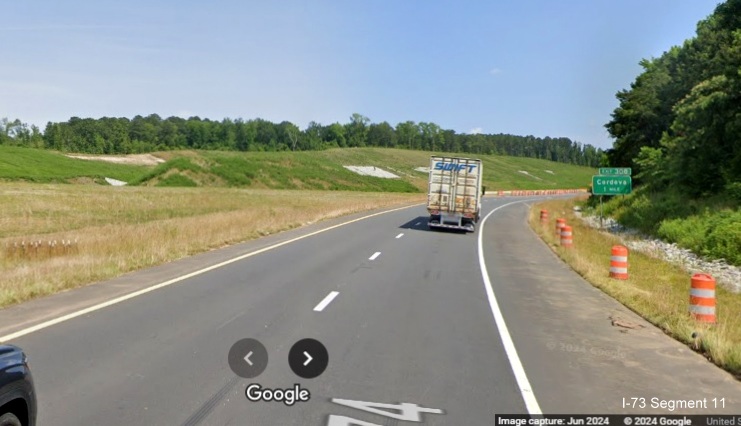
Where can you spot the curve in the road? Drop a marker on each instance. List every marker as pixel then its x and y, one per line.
pixel 519 371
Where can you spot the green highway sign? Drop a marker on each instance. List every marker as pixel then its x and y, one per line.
pixel 611 185
pixel 615 171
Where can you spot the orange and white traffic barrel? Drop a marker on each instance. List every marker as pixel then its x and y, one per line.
pixel 560 223
pixel 619 263
pixel 544 216
pixel 702 298
pixel 566 236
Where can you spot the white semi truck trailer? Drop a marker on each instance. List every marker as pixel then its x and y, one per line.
pixel 454 193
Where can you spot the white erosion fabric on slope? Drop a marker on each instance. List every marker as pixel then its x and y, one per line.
pixel 115 182
pixel 528 174
pixel 372 171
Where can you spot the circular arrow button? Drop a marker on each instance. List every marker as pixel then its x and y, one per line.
pixel 248 358
pixel 308 358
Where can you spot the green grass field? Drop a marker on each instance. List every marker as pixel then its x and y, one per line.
pixel 36 165
pixel 315 170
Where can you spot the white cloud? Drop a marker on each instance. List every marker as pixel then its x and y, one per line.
pixel 476 131
pixel 495 71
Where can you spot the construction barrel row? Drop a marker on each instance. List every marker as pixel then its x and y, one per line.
pixel 702 287
pixel 539 192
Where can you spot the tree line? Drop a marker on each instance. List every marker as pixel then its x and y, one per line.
pixel 679 124
pixel 152 133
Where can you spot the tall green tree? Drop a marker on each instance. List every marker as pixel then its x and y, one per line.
pixel 408 134
pixel 289 135
pixel 357 130
pixel 381 134
pixel 680 102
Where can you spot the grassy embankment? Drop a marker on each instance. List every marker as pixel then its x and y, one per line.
pixel 120 229
pixel 285 170
pixel 324 170
pixel 42 166
pixel 656 290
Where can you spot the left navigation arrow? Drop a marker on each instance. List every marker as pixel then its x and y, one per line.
pixel 248 358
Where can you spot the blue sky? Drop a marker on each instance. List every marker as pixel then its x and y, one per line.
pixel 542 68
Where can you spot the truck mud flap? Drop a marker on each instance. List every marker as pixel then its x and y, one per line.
pixel 467 228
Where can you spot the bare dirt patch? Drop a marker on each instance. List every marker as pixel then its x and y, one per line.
pixel 82 180
pixel 133 159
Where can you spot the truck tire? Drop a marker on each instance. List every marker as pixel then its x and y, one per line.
pixel 9 419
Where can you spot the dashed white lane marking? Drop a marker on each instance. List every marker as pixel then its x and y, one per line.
pixel 326 301
pixel 181 278
pixel 400 235
pixel 375 255
pixel 229 321
pixel 509 346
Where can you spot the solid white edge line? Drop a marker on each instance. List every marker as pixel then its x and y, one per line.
pixel 509 346
pixel 400 235
pixel 326 301
pixel 375 255
pixel 132 295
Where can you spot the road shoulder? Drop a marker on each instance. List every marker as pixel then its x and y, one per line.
pixel 583 351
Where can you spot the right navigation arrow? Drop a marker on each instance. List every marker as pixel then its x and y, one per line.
pixel 308 358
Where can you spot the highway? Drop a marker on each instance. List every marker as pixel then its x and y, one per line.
pixel 457 326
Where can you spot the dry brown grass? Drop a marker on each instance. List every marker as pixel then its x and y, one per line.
pixel 656 290
pixel 121 229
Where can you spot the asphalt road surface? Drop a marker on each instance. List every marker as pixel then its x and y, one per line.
pixel 420 327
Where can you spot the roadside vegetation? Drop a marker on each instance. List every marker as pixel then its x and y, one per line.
pixel 314 170
pixel 679 128
pixel 272 170
pixel 56 237
pixel 36 165
pixel 656 290
pixel 709 227
pixel 63 226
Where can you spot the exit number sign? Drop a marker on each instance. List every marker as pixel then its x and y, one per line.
pixel 615 171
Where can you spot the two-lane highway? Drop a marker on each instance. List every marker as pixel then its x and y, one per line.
pixel 405 314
